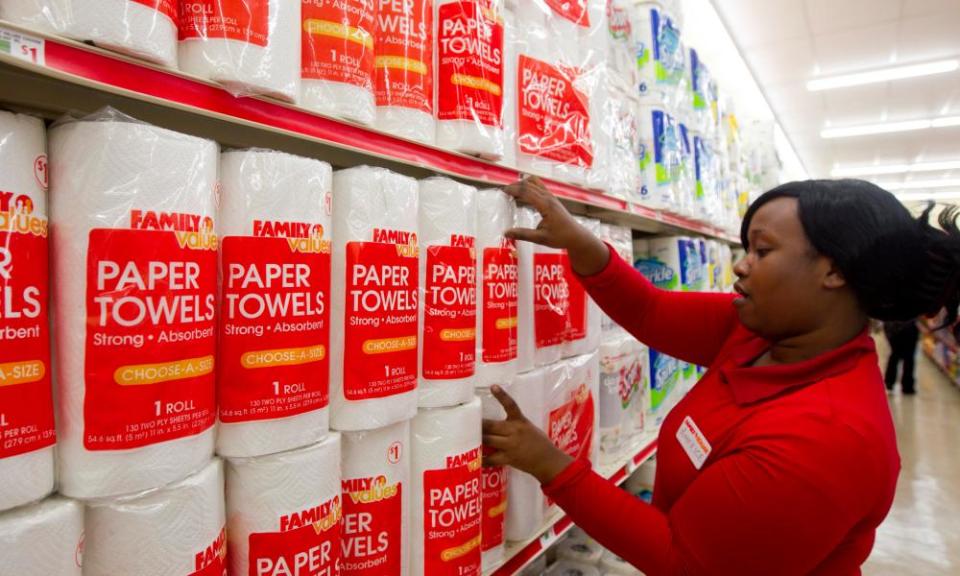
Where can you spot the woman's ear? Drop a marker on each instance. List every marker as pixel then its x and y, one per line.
pixel 834 278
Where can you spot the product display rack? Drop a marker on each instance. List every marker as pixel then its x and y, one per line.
pixel 941 348
pixel 54 76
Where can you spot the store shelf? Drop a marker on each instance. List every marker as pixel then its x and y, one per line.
pixel 54 76
pixel 521 554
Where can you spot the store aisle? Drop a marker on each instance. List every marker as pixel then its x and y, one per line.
pixel 922 534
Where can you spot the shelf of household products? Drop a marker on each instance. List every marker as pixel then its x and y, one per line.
pixel 518 555
pixel 941 347
pixel 53 75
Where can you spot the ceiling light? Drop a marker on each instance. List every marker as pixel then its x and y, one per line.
pixel 883 169
pixel 881 128
pixel 920 184
pixel 946 122
pixel 921 196
pixel 884 75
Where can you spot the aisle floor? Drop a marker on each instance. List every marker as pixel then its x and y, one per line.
pixel 921 536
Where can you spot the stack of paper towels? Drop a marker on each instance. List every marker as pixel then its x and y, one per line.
pixel 43 538
pixel 525 500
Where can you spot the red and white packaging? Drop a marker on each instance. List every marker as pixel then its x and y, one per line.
pixel 552 303
pixel 179 529
pixel 404 69
pixel 531 41
pixel 526 503
pixel 616 393
pixel 447 491
pixel 376 300
pixel 448 292
pixel 275 257
pixel 135 250
pixel 571 397
pixel 526 217
pixel 43 538
pixel 510 45
pixel 584 317
pixel 498 289
pixel 27 431
pixel 495 484
pixel 249 46
pixel 284 512
pixel 470 82
pixel 376 502
pixel 337 59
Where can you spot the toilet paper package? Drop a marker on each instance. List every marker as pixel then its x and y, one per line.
pixel 404 69
pixel 145 29
pixel 42 539
pixel 250 47
pixel 284 511
pixel 617 566
pixel 525 501
pixel 664 263
pixel 688 203
pixel 176 530
pixel 614 398
pixel 376 279
pixel 620 238
pixel 448 294
pixel 584 315
pixel 660 56
pixel 376 501
pixel 498 287
pixel 569 568
pixel 660 157
pixel 447 491
pixel 525 217
pixel 470 84
pixel 27 429
pixel 495 488
pixel 583 550
pixel 573 422
pixel 337 59
pixel 274 366
pixel 665 377
pixel 136 254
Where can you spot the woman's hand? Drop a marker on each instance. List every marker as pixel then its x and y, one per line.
pixel 518 443
pixel 557 228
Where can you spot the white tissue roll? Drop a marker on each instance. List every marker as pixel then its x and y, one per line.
pixel 170 532
pixel 448 292
pixel 108 175
pixel 447 501
pixel 526 217
pixel 275 220
pixel 579 549
pixel 376 501
pixel 282 505
pixel 495 488
pixel 257 51
pixel 26 460
pixel 375 218
pixel 497 289
pixel 525 500
pixel 551 303
pixel 42 539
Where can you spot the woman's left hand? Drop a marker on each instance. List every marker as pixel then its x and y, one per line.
pixel 518 443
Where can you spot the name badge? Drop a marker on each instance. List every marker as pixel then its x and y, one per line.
pixel 693 442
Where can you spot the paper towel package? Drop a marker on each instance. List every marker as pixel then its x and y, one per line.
pixel 532 53
pixel 470 66
pixel 374 336
pixel 248 47
pixel 498 286
pixel 376 501
pixel 526 217
pixel 135 307
pixel 26 453
pixel 495 488
pixel 638 384
pixel 173 531
pixel 525 500
pixel 510 34
pixel 569 568
pixel 583 550
pixel 584 316
pixel 145 30
pixel 285 509
pixel 571 398
pixel 42 539
pixel 273 367
pixel 448 293
pixel 552 303
pixel 621 240
pixel 404 69
pixel 447 490
pixel 620 380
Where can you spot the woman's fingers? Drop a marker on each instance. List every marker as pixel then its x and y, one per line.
pixel 531 190
pixel 537 236
pixel 496 459
pixel 509 404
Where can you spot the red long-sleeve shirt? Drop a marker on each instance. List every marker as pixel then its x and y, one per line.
pixel 797 463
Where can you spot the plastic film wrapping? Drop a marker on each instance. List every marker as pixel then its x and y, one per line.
pixel 42 539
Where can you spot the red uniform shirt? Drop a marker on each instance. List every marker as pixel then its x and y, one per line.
pixel 800 462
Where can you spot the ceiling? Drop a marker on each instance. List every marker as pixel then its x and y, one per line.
pixel 788 42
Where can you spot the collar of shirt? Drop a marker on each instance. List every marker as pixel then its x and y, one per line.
pixel 752 384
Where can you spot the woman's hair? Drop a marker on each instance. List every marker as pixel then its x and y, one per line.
pixel 899 267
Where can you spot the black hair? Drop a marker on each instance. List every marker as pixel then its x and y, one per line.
pixel 898 266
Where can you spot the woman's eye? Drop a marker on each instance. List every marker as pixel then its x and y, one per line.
pixel 761 252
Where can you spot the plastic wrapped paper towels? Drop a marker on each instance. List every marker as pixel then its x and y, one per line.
pixel 448 310
pixel 571 393
pixel 284 511
pixel 145 29
pixel 525 499
pixel 136 255
pixel 620 238
pixel 510 45
pixel 584 316
pixel 274 366
pixel 568 568
pixel 248 47
pixel 447 491
pixel 376 501
pixel 374 342
pixel 26 458
pixel 42 539
pixel 495 488
pixel 169 532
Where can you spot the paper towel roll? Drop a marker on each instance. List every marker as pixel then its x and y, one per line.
pixel 551 303
pixel 583 550
pixel 532 41
pixel 570 568
pixel 336 72
pixel 614 401
pixel 584 314
pixel 42 539
pixel 248 48
pixel 525 500
pixel 26 458
pixel 375 279
pixel 495 488
pixel 376 501
pixel 498 289
pixel 447 494
pixel 285 509
pixel 571 398
pixel 638 386
pixel 510 33
pixel 617 566
pixel 144 29
pixel 125 197
pixel 620 238
pixel 525 217
pixel 448 292
pixel 173 531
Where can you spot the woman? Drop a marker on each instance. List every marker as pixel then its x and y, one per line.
pixel 783 459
